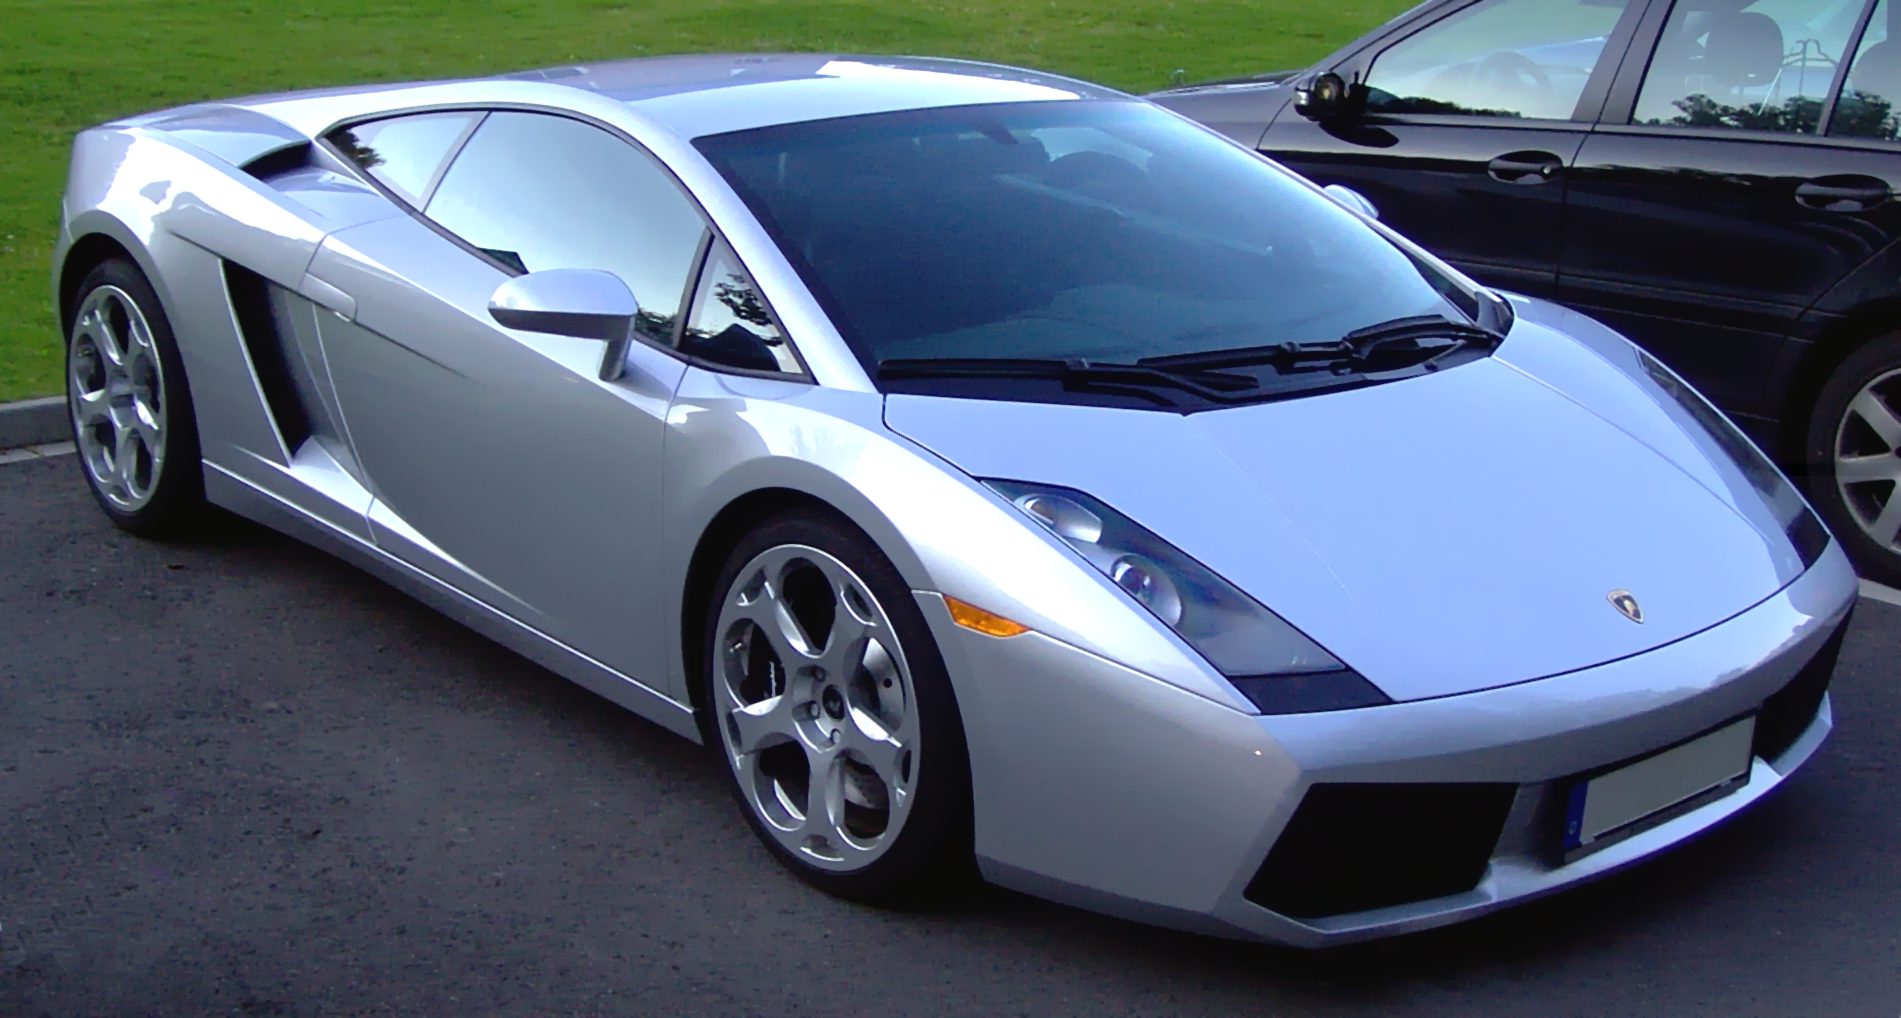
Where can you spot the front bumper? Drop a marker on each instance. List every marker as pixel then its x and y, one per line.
pixel 1100 787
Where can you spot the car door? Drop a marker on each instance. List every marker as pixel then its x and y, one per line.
pixel 1726 190
pixel 500 461
pixel 1468 125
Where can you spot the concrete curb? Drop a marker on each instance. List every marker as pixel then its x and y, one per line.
pixel 34 422
pixel 1880 592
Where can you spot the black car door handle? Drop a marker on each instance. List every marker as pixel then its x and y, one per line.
pixel 1524 167
pixel 1847 192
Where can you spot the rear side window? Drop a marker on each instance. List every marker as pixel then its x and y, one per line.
pixel 1762 66
pixel 534 191
pixel 404 154
pixel 1497 58
pixel 1873 90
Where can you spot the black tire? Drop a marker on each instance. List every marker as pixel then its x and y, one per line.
pixel 1864 365
pixel 176 505
pixel 932 854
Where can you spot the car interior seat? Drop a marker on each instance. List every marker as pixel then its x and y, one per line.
pixel 1878 72
pixel 1743 50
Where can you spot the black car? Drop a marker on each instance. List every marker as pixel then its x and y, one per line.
pixel 1715 178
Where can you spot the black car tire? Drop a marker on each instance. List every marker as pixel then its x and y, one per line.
pixel 932 854
pixel 1831 433
pixel 175 507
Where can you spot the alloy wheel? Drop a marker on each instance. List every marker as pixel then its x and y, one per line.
pixel 1868 460
pixel 116 392
pixel 816 710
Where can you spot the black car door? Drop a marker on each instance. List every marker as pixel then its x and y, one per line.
pixel 1725 190
pixel 1470 121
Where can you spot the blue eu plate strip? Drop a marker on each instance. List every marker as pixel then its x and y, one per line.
pixel 1574 816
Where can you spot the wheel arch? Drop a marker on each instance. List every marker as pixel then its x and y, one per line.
pixel 716 540
pixel 87 253
pixel 1819 359
pixel 98 237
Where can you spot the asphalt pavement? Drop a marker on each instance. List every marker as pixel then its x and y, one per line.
pixel 240 777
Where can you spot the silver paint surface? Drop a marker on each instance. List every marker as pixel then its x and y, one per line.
pixel 1452 536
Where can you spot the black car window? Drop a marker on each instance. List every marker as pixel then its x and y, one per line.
pixel 404 154
pixel 1764 66
pixel 1873 90
pixel 534 191
pixel 730 323
pixel 1499 58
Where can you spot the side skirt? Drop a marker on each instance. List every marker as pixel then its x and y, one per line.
pixel 240 496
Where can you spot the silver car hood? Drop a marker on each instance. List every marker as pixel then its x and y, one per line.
pixel 1448 533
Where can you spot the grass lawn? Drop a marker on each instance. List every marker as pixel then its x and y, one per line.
pixel 65 64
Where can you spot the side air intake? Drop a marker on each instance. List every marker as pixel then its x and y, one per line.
pixel 264 342
pixel 279 161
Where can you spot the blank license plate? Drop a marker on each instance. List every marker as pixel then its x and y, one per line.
pixel 1606 804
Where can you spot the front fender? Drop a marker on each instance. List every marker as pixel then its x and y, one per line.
pixel 945 532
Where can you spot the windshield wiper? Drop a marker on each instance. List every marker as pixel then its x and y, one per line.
pixel 1077 373
pixel 1364 341
pixel 1356 348
pixel 1200 374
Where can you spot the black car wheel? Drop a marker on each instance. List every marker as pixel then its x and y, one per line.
pixel 1853 457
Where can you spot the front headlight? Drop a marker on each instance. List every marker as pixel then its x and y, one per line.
pixel 1273 664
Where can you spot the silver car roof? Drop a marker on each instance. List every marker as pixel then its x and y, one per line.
pixel 692 96
pixel 697 95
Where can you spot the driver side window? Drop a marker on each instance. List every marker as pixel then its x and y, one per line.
pixel 1526 59
pixel 1764 66
pixel 533 191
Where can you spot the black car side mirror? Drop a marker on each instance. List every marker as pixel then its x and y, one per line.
pixel 1327 96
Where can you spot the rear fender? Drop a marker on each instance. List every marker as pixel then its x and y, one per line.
pixel 182 211
pixel 1865 304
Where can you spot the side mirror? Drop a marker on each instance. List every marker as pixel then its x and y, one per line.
pixel 1352 199
pixel 582 303
pixel 1327 96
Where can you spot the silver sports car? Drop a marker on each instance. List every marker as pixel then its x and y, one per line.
pixel 998 473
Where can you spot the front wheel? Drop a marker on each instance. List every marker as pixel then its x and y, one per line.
pixel 1854 457
pixel 829 705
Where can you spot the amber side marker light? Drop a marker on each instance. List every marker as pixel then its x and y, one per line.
pixel 988 623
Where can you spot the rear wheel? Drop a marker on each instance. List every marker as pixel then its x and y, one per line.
pixel 1854 457
pixel 131 413
pixel 829 706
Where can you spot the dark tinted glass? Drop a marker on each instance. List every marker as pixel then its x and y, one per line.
pixel 404 153
pixel 542 192
pixel 1100 230
pixel 730 324
pixel 1501 58
pixel 1763 66
pixel 1873 90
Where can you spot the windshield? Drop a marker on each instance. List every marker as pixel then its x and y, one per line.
pixel 1101 230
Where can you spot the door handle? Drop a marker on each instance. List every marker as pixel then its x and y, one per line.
pixel 1524 167
pixel 325 295
pixel 1844 192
